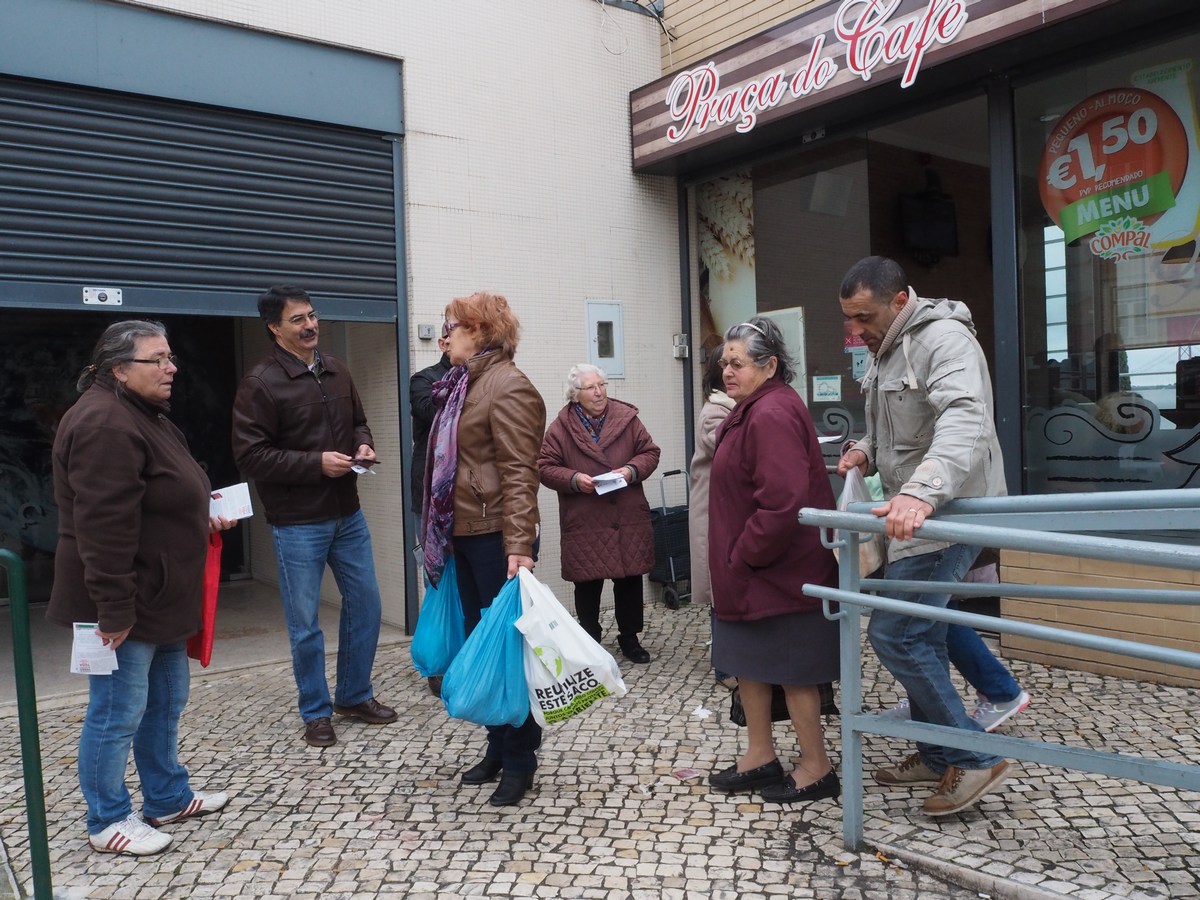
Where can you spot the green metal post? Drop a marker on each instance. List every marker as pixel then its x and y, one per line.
pixel 31 748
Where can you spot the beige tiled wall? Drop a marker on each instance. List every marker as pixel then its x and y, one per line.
pixel 518 180
pixel 1164 625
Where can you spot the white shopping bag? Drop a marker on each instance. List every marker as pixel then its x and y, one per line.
pixel 872 548
pixel 567 671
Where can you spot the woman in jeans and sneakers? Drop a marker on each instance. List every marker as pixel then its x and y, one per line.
pixel 998 696
pixel 481 489
pixel 133 530
pixel 717 405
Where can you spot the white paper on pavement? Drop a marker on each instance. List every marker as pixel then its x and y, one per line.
pixel 231 502
pixel 609 481
pixel 89 655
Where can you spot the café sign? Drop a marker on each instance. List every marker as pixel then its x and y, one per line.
pixel 871 36
pixel 822 55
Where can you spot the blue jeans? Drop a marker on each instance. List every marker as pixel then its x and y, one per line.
pixel 302 552
pixel 978 665
pixel 138 705
pixel 914 650
pixel 482 571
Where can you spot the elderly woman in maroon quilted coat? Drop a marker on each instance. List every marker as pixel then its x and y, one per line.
pixel 604 535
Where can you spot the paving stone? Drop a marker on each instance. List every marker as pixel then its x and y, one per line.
pixel 382 813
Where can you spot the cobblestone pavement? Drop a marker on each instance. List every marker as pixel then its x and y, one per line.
pixel 614 812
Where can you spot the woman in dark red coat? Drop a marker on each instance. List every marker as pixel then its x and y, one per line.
pixel 767 465
pixel 605 534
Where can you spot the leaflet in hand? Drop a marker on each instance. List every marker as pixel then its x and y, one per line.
pixel 609 481
pixel 89 655
pixel 231 502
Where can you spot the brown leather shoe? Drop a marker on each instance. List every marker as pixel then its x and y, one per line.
pixel 319 733
pixel 370 710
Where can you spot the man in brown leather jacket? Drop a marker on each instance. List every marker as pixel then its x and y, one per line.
pixel 300 432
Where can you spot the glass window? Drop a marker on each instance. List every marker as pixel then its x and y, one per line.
pixel 1109 168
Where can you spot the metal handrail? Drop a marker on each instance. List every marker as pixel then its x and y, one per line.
pixel 31 749
pixel 1013 523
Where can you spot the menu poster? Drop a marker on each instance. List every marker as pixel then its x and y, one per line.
pixel 1121 169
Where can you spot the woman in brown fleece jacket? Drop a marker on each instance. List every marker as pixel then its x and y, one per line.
pixel 133 525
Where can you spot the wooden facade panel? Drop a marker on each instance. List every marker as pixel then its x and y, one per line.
pixel 1128 620
pixel 1048 563
pixel 1164 625
pixel 1099 663
pixel 704 27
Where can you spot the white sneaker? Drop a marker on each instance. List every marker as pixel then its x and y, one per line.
pixel 202 804
pixel 899 711
pixel 131 835
pixel 991 715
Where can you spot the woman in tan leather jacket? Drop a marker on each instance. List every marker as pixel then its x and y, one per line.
pixel 481 489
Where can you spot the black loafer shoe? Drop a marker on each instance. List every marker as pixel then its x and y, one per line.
pixel 482 772
pixel 370 710
pixel 319 733
pixel 632 649
pixel 513 786
pixel 731 779
pixel 825 788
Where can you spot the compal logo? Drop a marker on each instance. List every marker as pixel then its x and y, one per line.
pixel 1121 239
pixel 551 659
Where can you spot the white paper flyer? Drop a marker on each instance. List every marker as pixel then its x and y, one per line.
pixel 231 502
pixel 89 654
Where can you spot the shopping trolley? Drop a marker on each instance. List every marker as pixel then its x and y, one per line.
pixel 672 548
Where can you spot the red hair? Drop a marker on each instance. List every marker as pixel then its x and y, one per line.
pixel 491 314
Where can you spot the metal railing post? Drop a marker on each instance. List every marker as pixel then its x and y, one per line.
pixel 850 637
pixel 31 749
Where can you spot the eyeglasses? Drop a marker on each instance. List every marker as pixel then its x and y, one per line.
pixel 161 361
pixel 597 388
pixel 304 317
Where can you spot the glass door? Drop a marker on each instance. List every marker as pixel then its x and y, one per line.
pixel 776 239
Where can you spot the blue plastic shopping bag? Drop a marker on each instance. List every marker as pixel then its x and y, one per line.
pixel 440 630
pixel 485 683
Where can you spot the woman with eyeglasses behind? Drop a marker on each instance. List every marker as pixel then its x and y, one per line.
pixel 604 535
pixel 766 466
pixel 133 531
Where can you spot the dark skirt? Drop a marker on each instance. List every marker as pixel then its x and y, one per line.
pixel 801 648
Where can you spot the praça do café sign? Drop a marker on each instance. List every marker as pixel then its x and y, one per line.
pixel 870 36
pixel 817 57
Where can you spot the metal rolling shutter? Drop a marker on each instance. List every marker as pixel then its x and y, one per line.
pixel 100 187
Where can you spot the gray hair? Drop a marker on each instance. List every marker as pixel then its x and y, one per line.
pixel 763 339
pixel 117 345
pixel 575 378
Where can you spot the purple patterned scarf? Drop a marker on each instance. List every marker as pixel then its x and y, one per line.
pixel 590 425
pixel 437 513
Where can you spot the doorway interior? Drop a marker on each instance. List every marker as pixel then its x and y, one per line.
pixel 41 355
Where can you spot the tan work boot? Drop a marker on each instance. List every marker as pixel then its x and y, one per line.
pixel 912 771
pixel 960 788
